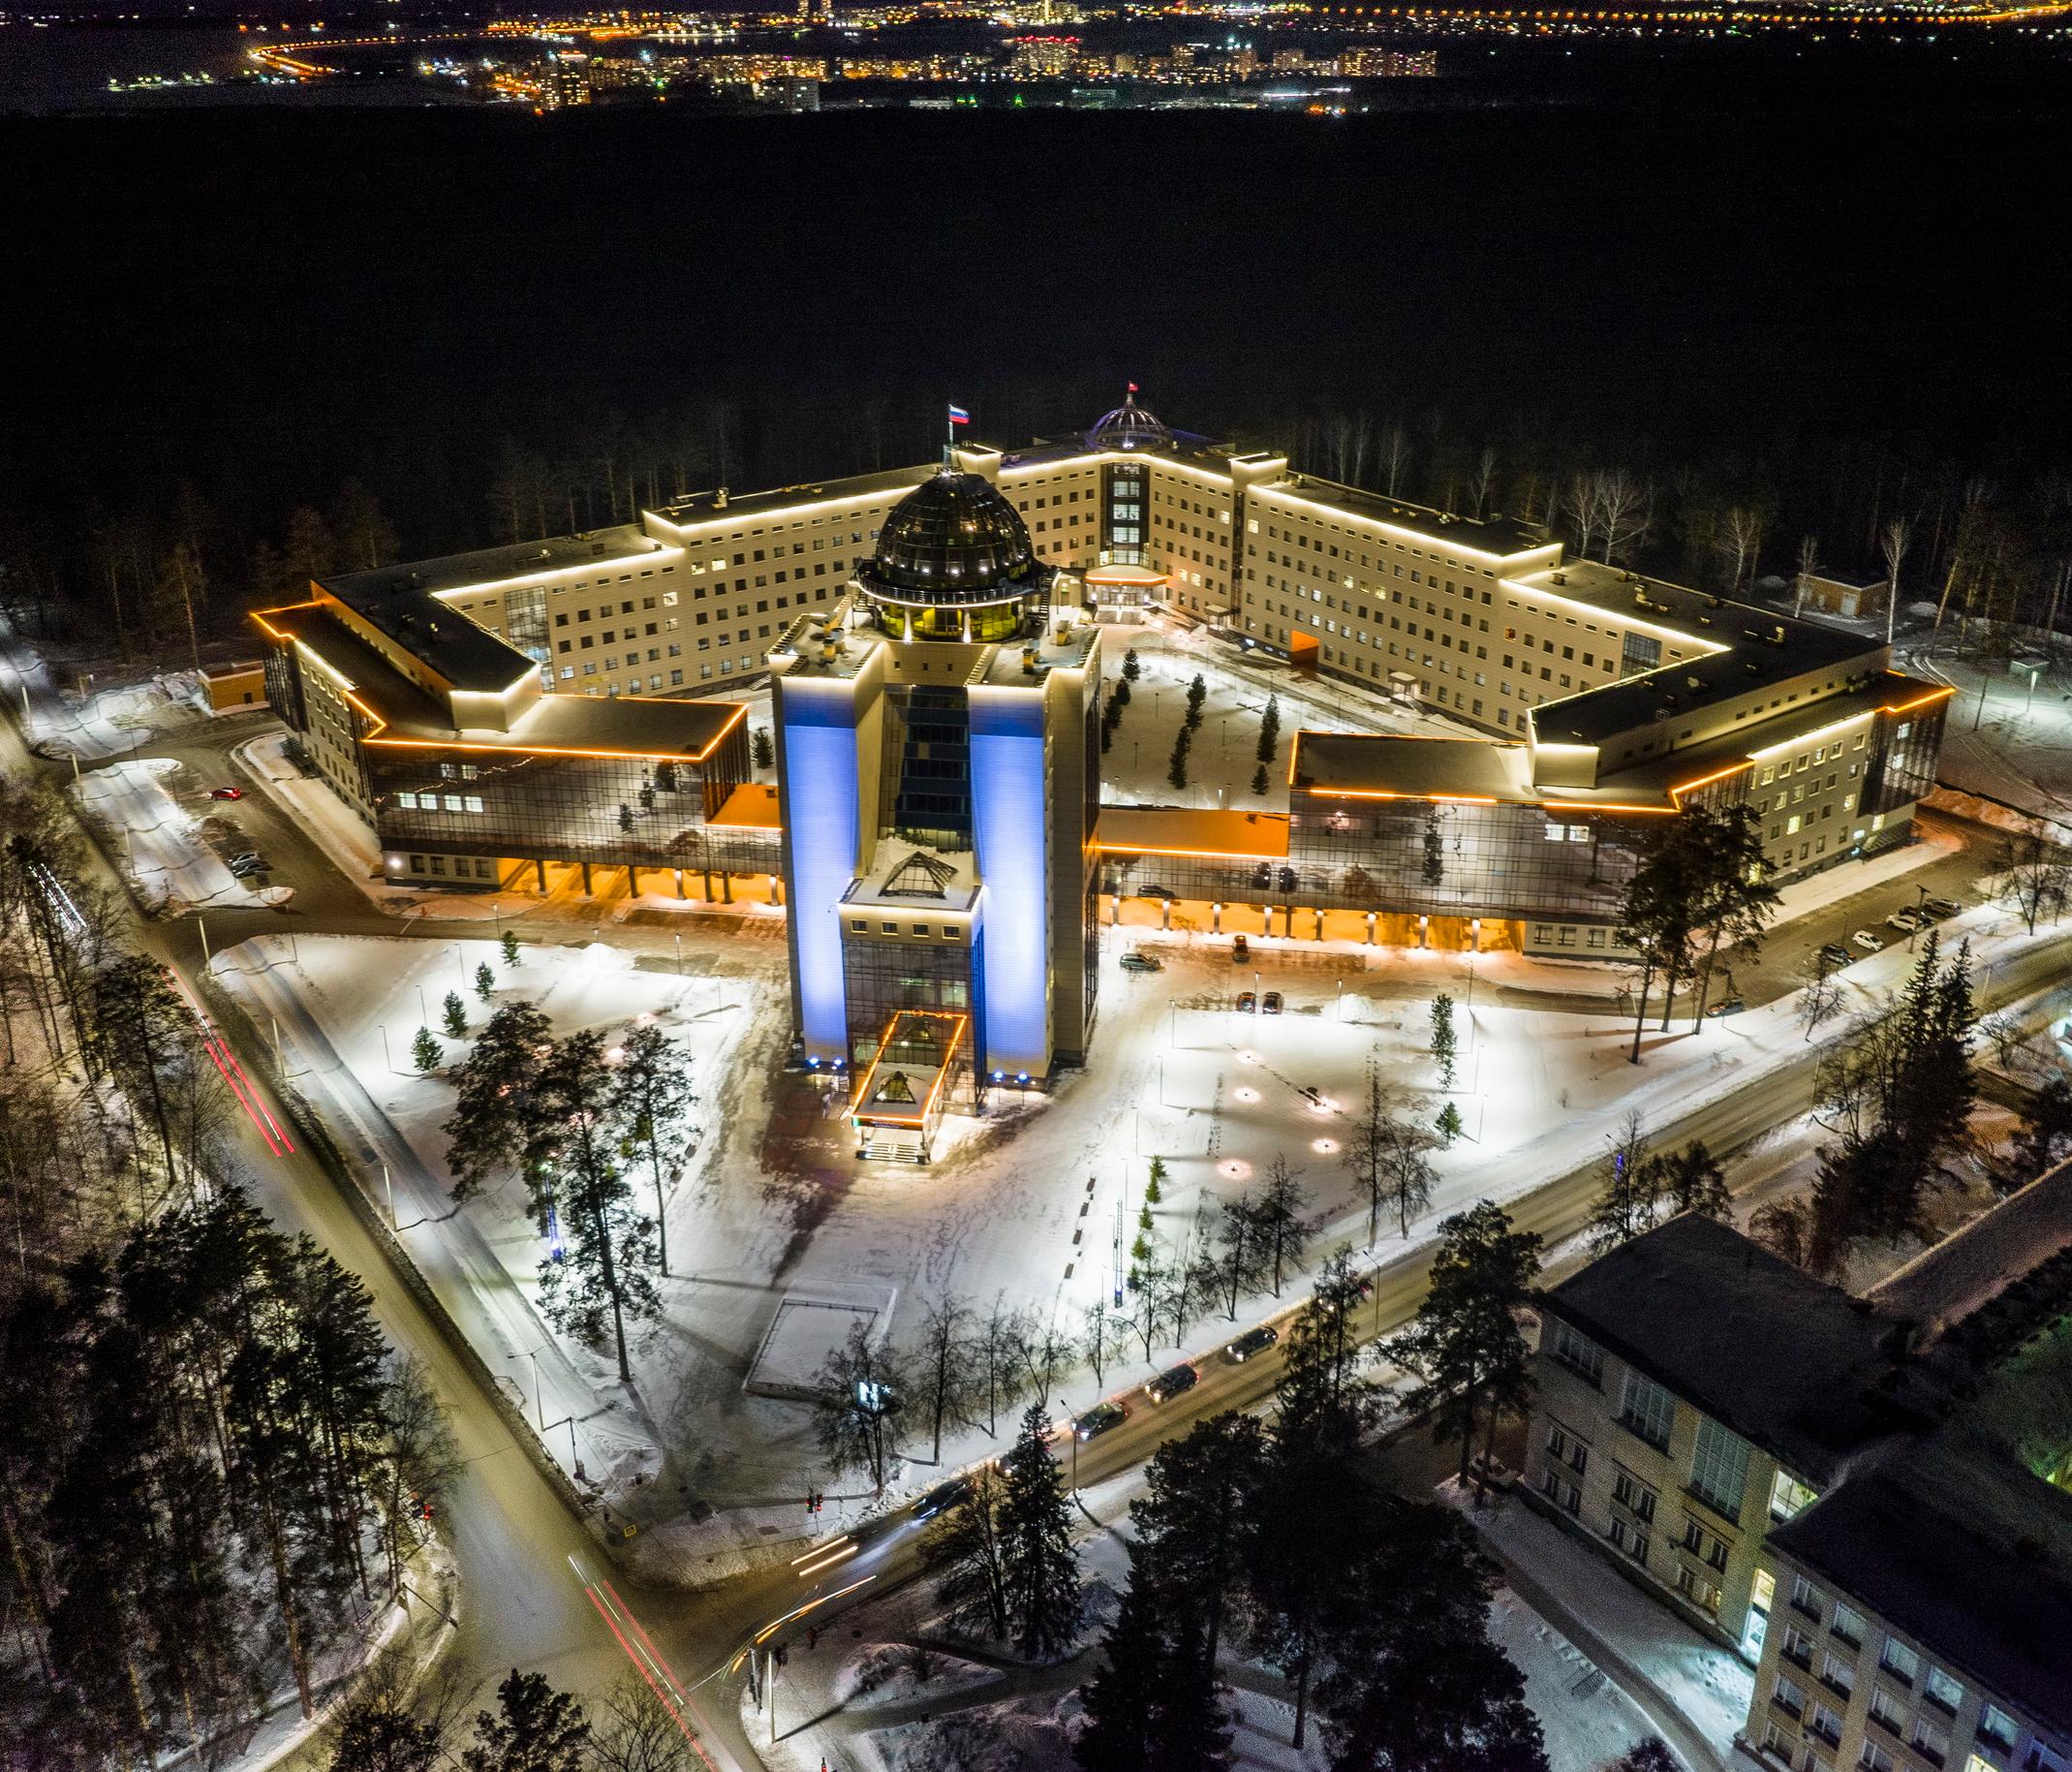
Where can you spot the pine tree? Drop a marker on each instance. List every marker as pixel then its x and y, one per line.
pixel 1038 1564
pixel 765 749
pixel 456 1015
pixel 1153 1189
pixel 1448 1125
pixel 1132 669
pixel 1176 768
pixel 1445 1041
pixel 1258 779
pixel 425 1051
pixel 1464 1348
pixel 485 981
pixel 572 1179
pixel 653 1097
pixel 1153 1705
pixel 1691 1180
pixel 1269 733
pixel 510 940
pixel 1197 693
pixel 1195 1517
pixel 497 1116
pixel 533 1728
pixel 1626 1205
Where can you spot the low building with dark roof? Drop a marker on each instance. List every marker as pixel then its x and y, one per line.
pixel 1693 1391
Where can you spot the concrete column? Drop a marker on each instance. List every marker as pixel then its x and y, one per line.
pixel 587 893
pixel 1165 913
pixel 727 889
pixel 541 867
pixel 1424 930
pixel 1319 915
pixel 679 882
pixel 1215 919
pixel 1369 928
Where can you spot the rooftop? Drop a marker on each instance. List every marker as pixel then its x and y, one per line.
pixel 1750 649
pixel 1497 536
pixel 1791 1363
pixel 1186 830
pixel 718 505
pixel 1390 765
pixel 912 877
pixel 606 726
pixel 1953 1542
pixel 402 601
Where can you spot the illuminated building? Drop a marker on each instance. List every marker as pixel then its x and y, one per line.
pixel 938 768
pixel 521 717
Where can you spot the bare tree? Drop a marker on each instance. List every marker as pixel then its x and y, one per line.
pixel 942 1360
pixel 1387 1155
pixel 1580 502
pixel 1808 565
pixel 1484 477
pixel 1625 507
pixel 1395 455
pixel 1893 544
pixel 2038 876
pixel 1740 541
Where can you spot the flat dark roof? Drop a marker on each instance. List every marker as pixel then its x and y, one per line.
pixel 1953 1542
pixel 1785 1360
pixel 1496 535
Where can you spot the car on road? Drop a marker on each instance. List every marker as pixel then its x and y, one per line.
pixel 1726 1006
pixel 1247 1003
pixel 1270 1003
pixel 1941 907
pixel 942 1496
pixel 226 794
pixel 1250 1342
pixel 1172 1383
pixel 1240 951
pixel 1834 953
pixel 1098 1419
pixel 247 864
pixel 1868 942
pixel 1142 962
pixel 1907 922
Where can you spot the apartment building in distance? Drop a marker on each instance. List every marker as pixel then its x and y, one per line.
pixel 1813 1479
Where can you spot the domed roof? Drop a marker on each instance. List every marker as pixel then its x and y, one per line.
pixel 953 539
pixel 1128 427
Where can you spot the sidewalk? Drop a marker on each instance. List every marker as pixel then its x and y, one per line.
pixel 1696 1693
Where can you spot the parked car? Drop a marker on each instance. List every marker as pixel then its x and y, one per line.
pixel 1098 1419
pixel 1907 922
pixel 1240 951
pixel 1834 953
pixel 942 1496
pixel 1251 1342
pixel 226 794
pixel 1941 907
pixel 1141 962
pixel 243 867
pixel 1868 942
pixel 1247 1003
pixel 1726 1006
pixel 1172 1383
pixel 1270 1003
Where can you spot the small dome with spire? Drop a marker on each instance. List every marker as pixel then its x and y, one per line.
pixel 1128 427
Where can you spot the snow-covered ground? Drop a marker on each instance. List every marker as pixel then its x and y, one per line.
pixel 87 723
pixel 1585 1717
pixel 1708 1687
pixel 160 848
pixel 2001 736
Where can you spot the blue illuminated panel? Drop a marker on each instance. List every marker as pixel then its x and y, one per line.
pixel 819 802
pixel 1008 821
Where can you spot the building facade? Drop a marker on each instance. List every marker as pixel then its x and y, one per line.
pixel 521 717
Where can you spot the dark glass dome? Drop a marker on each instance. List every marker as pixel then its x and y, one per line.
pixel 954 539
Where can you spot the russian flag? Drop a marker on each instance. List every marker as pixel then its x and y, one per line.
pixel 958 416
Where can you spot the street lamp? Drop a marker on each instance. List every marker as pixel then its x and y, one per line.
pixel 1919 905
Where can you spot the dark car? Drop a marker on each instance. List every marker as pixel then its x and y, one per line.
pixel 226 794
pixel 942 1497
pixel 1726 1006
pixel 1251 1342
pixel 1270 1003
pixel 1941 907
pixel 1240 950
pixel 1262 876
pixel 1247 1003
pixel 1098 1419
pixel 1172 1383
pixel 1834 953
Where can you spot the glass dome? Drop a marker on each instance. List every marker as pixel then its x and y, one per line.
pixel 1128 427
pixel 950 549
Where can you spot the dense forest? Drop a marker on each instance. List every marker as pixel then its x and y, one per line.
pixel 213 1471
pixel 256 344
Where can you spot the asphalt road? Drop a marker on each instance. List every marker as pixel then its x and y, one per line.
pixel 535 1591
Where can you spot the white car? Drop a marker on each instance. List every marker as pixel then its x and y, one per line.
pixel 1868 942
pixel 1907 922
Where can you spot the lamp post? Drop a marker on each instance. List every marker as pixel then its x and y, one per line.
pixel 1920 901
pixel 539 1400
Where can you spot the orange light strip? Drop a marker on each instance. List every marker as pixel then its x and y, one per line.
pixel 885 1040
pixel 1678 790
pixel 1902 707
pixel 1605 806
pixel 1206 854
